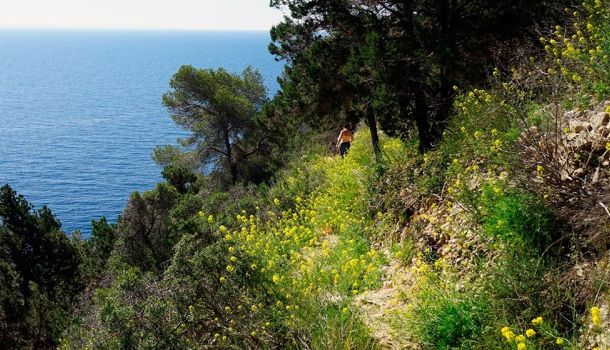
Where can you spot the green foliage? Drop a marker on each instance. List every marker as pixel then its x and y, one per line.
pixel 223 111
pixel 97 249
pixel 404 251
pixel 522 217
pixel 445 319
pixel 182 178
pixel 313 250
pixel 39 274
pixel 394 61
pixel 341 328
pixel 577 56
pixel 145 239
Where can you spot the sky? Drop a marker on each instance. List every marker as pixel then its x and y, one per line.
pixel 139 14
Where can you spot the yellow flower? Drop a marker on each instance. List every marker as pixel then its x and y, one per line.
pixel 520 338
pixel 560 341
pixel 576 78
pixel 595 316
pixel 233 259
pixel 276 278
pixel 230 268
pixel 210 219
pixel 530 333
pixel 537 321
pixel 521 346
pixel 222 279
pixel 276 201
pixel 508 334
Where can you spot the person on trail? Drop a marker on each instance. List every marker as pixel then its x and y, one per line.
pixel 343 141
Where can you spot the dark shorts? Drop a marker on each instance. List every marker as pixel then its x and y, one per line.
pixel 343 148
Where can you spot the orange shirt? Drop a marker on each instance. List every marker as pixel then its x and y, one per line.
pixel 345 136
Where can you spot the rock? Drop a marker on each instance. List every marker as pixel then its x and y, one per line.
pixel 599 119
pixel 595 176
pixel 605 163
pixel 534 129
pixel 602 106
pixel 573 114
pixel 579 126
pixel 579 172
pixel 576 126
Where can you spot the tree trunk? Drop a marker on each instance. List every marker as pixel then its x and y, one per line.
pixel 230 160
pixel 421 120
pixel 446 8
pixel 372 121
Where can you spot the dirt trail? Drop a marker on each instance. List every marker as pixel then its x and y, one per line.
pixel 381 308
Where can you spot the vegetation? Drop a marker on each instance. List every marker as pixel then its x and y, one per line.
pixel 495 238
pixel 223 112
pixel 39 271
pixel 395 61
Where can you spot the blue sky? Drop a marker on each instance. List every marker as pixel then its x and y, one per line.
pixel 140 14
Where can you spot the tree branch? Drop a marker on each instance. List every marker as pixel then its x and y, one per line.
pixel 258 147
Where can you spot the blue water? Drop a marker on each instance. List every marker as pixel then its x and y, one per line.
pixel 80 112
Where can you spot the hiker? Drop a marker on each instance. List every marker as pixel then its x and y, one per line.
pixel 343 141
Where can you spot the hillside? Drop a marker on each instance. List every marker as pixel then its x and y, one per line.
pixel 494 236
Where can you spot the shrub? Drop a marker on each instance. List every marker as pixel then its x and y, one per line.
pixel 445 319
pixel 520 216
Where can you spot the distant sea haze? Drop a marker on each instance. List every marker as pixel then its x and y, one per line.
pixel 81 111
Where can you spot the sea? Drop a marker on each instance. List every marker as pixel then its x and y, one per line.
pixel 81 111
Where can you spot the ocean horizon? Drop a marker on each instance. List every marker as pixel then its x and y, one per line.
pixel 81 111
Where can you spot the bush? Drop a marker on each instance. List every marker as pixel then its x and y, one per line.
pixel 40 274
pixel 523 217
pixel 181 178
pixel 446 319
